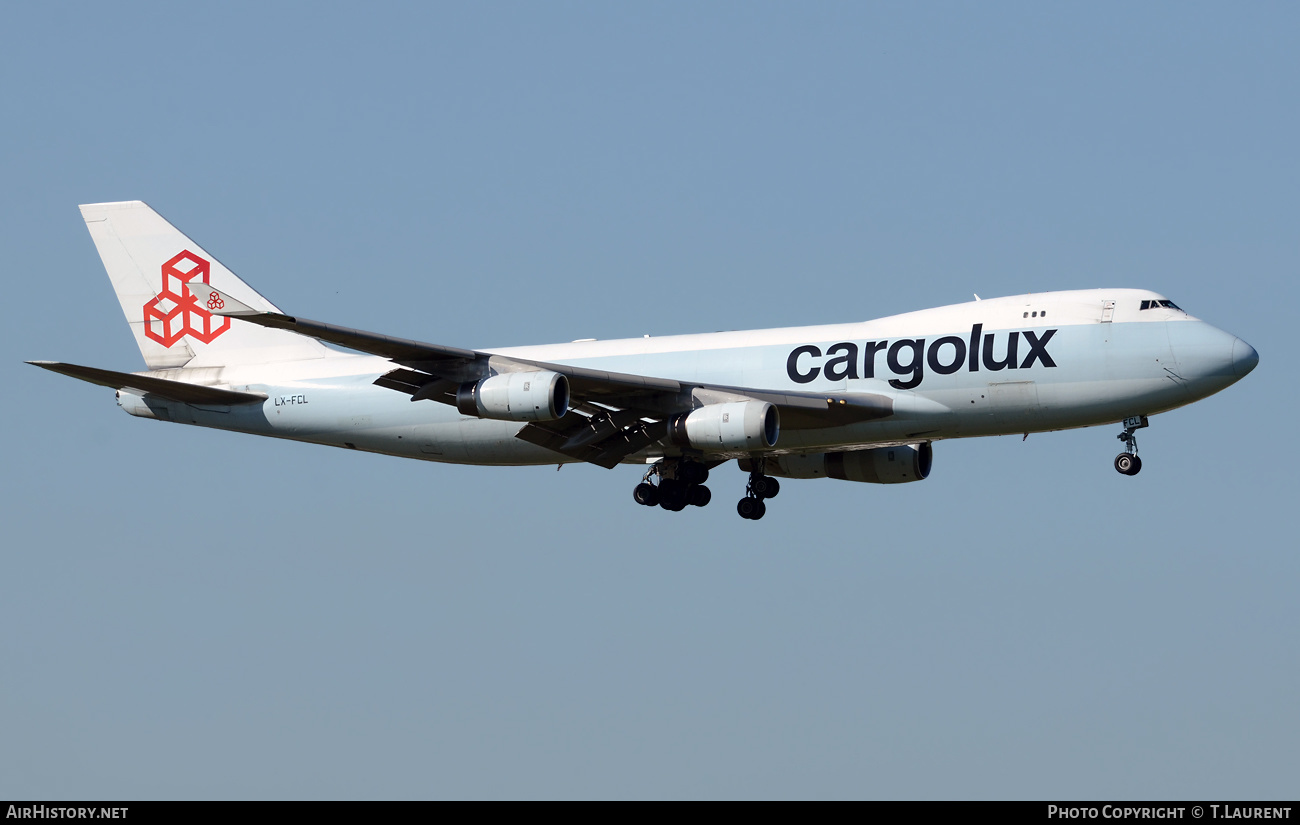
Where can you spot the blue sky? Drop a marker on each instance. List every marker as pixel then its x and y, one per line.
pixel 188 613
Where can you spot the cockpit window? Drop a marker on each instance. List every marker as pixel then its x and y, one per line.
pixel 1164 304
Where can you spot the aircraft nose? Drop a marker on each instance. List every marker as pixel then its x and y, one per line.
pixel 1244 357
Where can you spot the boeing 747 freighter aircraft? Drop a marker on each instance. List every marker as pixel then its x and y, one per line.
pixel 857 402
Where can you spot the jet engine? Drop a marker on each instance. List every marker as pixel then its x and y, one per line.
pixel 134 404
pixel 740 425
pixel 516 396
pixel 881 465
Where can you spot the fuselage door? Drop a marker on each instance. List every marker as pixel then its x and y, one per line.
pixel 1107 311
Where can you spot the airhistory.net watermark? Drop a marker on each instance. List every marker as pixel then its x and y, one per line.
pixel 62 812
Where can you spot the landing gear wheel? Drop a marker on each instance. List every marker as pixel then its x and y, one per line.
pixel 700 496
pixel 692 472
pixel 673 495
pixel 751 508
pixel 1128 464
pixel 646 494
pixel 764 486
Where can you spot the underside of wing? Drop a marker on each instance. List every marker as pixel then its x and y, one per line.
pixel 145 385
pixel 602 437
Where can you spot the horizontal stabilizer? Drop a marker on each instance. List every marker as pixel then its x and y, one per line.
pixel 162 387
pixel 218 302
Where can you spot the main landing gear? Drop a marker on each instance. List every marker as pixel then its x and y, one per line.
pixel 1128 462
pixel 681 484
pixel 760 487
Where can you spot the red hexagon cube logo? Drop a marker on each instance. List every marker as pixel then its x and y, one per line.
pixel 176 312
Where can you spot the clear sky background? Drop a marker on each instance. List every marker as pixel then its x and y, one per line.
pixel 190 613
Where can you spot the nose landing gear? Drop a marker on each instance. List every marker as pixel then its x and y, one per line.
pixel 1128 462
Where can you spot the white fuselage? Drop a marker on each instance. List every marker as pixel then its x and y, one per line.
pixel 1080 358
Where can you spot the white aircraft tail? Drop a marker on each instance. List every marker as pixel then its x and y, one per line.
pixel 150 263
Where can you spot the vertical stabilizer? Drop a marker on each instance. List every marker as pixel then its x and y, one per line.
pixel 150 263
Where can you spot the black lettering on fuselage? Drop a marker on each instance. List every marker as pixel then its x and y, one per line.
pixel 1038 349
pixel 958 357
pixel 792 364
pixel 916 366
pixel 869 351
pixel 1009 361
pixel 944 356
pixel 974 348
pixel 844 365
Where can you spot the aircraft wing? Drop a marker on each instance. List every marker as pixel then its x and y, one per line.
pixel 612 415
pixel 162 387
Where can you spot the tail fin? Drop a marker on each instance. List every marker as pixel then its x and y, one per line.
pixel 150 262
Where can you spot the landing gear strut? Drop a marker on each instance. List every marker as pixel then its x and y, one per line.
pixel 760 487
pixel 681 483
pixel 677 483
pixel 1128 462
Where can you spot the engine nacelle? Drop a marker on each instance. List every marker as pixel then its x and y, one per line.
pixel 134 404
pixel 881 465
pixel 740 425
pixel 516 396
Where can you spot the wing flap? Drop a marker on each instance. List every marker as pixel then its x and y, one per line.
pixel 604 439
